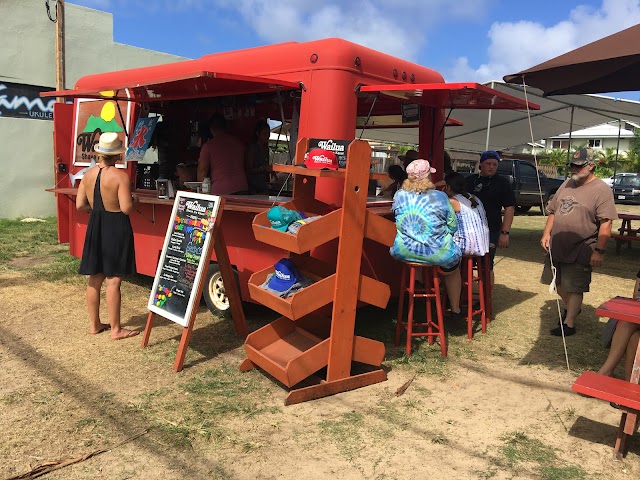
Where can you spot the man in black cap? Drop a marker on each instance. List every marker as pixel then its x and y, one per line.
pixel 576 234
pixel 495 193
pixel 408 157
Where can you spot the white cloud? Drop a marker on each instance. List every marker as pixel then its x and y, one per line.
pixel 516 46
pixel 398 28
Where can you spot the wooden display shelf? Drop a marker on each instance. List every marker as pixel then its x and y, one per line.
pixel 298 305
pixel 308 237
pixel 291 353
pixel 310 172
pixel 318 294
pixel 286 351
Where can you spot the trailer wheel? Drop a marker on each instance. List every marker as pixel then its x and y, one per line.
pixel 214 292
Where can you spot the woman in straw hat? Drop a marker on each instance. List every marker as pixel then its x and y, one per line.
pixel 425 223
pixel 108 251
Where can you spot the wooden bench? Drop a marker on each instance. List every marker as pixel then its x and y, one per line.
pixel 620 239
pixel 625 394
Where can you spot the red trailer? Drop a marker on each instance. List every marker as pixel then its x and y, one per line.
pixel 325 87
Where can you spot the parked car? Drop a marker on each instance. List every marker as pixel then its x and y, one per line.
pixel 626 188
pixel 523 176
pixel 609 180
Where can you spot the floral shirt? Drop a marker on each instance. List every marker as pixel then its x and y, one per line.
pixel 425 224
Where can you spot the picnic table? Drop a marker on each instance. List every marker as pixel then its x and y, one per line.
pixel 625 394
pixel 626 234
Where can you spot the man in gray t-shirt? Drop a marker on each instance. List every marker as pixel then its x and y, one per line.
pixel 576 233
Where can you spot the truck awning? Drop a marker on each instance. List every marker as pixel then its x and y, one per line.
pixel 180 87
pixel 451 95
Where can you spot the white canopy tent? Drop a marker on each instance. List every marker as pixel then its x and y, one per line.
pixel 501 129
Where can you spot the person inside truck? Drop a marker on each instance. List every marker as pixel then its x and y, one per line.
pixel 425 224
pixel 108 252
pixel 575 236
pixel 222 160
pixel 496 193
pixel 257 159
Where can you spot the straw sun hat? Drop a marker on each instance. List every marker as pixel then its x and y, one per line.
pixel 109 144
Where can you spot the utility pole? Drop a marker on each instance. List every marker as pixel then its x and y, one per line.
pixel 60 47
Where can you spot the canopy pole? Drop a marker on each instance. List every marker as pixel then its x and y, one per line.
pixel 486 143
pixel 566 167
pixel 615 165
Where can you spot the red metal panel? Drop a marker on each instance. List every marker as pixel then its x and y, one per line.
pixel 179 86
pixel 452 95
pixel 62 126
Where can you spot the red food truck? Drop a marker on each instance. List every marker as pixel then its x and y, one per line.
pixel 324 89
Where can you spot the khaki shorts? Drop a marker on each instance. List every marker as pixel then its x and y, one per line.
pixel 573 277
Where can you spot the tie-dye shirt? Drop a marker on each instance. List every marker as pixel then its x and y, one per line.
pixel 425 224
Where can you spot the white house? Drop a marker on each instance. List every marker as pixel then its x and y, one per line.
pixel 597 137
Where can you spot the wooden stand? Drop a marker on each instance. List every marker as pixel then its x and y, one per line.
pixel 299 344
pixel 231 288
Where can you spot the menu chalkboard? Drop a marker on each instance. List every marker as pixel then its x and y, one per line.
pixel 185 256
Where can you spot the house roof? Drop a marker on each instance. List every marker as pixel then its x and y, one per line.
pixel 606 130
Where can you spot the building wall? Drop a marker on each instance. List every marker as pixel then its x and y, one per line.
pixel 28 57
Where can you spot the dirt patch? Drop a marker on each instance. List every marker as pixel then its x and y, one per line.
pixel 500 406
pixel 29 262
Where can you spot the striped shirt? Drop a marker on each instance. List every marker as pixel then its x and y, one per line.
pixel 472 235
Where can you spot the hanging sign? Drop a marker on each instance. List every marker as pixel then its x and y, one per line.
pixel 92 119
pixel 185 257
pixel 141 139
pixel 410 112
pixel 339 147
pixel 23 101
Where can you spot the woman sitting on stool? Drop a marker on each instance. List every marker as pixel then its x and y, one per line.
pixel 472 235
pixel 425 223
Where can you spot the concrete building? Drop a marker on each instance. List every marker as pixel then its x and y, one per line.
pixel 28 66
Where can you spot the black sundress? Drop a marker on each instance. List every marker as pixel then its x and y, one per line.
pixel 108 245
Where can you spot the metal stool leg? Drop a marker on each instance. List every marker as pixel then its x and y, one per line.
pixel 412 286
pixel 400 320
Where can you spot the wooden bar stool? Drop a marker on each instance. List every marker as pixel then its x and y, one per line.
pixel 430 292
pixel 473 270
pixel 488 287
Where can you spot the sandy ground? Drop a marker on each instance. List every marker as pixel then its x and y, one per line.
pixel 65 393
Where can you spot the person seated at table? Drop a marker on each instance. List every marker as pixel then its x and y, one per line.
pixel 425 224
pixel 222 160
pixel 397 175
pixel 624 343
pixel 472 235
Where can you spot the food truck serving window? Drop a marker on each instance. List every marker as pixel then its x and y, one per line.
pixel 451 95
pixel 179 87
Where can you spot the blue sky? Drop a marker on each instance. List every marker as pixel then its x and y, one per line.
pixel 464 40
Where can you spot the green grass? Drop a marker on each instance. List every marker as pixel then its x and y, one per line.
pixel 519 449
pixel 345 433
pixel 37 244
pixel 19 239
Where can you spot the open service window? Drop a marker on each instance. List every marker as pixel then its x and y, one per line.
pixel 178 86
pixel 451 95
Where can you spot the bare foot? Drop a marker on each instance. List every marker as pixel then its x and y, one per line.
pixel 124 333
pixel 101 328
